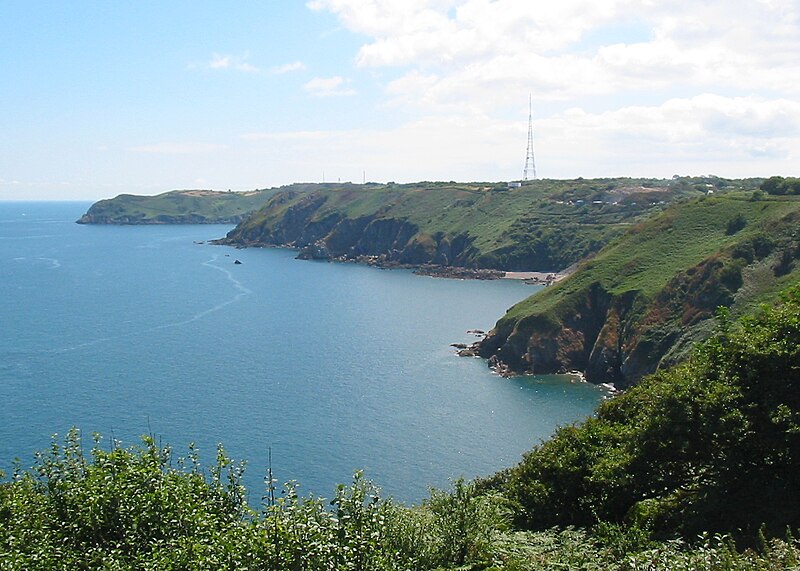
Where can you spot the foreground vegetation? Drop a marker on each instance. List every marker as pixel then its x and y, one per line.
pixel 651 482
pixel 711 445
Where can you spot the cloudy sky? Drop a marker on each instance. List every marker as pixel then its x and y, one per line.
pixel 101 98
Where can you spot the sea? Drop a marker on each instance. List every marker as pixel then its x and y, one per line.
pixel 331 368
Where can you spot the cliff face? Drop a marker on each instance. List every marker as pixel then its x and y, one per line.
pixel 190 218
pixel 591 339
pixel 643 301
pixel 304 222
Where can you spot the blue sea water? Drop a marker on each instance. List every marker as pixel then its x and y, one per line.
pixel 335 367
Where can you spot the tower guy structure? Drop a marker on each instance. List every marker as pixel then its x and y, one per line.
pixel 530 163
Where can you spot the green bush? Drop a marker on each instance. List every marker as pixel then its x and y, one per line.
pixel 713 445
pixel 141 508
pixel 778 185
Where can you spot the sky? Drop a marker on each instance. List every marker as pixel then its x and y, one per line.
pixel 103 98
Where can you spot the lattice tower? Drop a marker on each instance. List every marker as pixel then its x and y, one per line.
pixel 530 163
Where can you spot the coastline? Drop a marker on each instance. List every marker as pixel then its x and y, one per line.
pixel 431 270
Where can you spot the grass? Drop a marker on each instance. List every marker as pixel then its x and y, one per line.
pixel 644 299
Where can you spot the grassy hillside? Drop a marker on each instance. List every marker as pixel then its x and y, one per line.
pixel 543 225
pixel 643 299
pixel 177 207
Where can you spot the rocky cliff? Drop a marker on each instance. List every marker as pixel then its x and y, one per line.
pixel 304 224
pixel 642 301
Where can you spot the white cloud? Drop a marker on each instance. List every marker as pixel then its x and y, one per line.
pixel 238 63
pixel 329 87
pixel 738 136
pixel 729 136
pixel 288 67
pixel 470 47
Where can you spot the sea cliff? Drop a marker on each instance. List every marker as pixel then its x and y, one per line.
pixel 642 301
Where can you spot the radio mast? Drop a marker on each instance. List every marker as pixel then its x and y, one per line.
pixel 530 163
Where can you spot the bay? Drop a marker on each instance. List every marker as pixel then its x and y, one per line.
pixel 129 330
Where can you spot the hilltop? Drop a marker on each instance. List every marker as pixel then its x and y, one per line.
pixel 640 303
pixel 177 207
pixel 541 225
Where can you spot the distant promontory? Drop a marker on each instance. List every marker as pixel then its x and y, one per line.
pixel 177 207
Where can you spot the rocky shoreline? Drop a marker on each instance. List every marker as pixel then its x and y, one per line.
pixel 473 350
pixel 504 370
pixel 320 252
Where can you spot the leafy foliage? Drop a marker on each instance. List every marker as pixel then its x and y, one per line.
pixel 778 185
pixel 140 508
pixel 131 509
pixel 611 550
pixel 712 445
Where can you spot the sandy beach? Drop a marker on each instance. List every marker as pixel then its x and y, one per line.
pixel 535 277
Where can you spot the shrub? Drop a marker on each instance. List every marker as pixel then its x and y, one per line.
pixel 711 445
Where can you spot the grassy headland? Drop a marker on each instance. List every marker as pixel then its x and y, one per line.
pixel 644 299
pixel 177 207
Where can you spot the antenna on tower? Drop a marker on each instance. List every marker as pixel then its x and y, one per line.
pixel 530 163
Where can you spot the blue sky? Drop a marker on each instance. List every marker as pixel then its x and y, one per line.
pixel 101 98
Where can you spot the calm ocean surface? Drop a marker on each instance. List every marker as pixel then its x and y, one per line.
pixel 336 367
